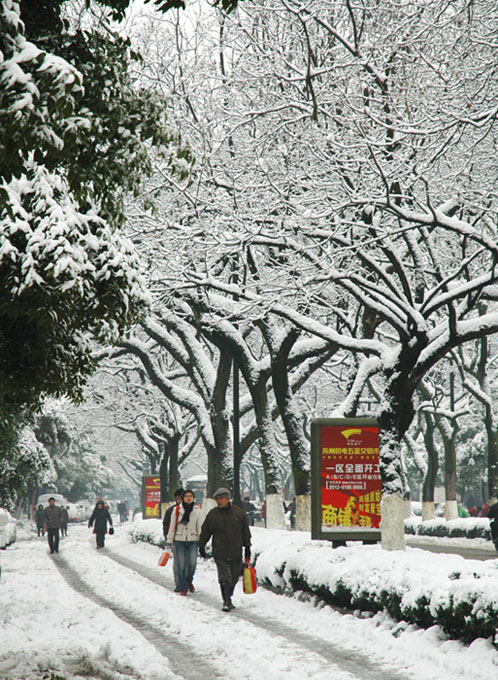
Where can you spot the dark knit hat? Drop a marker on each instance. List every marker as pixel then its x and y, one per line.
pixel 221 492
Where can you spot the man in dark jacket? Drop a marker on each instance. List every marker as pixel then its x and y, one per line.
pixel 52 517
pixel 166 522
pixel 100 516
pixel 228 526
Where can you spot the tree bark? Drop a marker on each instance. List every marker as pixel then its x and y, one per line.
pixel 432 469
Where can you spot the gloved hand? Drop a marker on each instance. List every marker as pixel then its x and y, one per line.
pixel 247 553
pixel 202 552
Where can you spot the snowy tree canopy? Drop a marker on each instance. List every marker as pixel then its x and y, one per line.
pixel 345 183
pixel 76 136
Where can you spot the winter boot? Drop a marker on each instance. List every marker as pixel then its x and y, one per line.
pixel 232 588
pixel 225 593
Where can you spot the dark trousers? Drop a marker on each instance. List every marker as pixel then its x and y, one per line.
pixel 64 530
pixel 100 538
pixel 53 539
pixel 41 530
pixel 229 571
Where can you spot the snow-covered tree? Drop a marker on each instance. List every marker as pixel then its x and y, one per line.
pixel 349 169
pixel 75 138
pixel 27 467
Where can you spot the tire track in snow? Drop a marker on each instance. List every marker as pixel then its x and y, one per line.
pixel 358 665
pixel 173 650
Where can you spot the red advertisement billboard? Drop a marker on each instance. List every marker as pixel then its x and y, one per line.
pixel 152 497
pixel 348 484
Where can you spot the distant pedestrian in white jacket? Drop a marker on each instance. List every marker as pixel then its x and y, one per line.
pixel 184 532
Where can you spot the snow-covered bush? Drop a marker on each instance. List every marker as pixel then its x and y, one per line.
pixel 147 531
pixel 476 527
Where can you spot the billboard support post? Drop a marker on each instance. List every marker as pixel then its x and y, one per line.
pixel 345 480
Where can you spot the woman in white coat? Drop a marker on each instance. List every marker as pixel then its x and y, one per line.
pixel 184 532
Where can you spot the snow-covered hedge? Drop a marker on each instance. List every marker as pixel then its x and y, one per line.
pixel 417 587
pixel 147 531
pixel 468 527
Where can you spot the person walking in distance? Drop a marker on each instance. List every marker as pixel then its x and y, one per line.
pixel 64 521
pixel 250 509
pixel 39 520
pixel 52 518
pixel 227 525
pixel 184 534
pixel 173 510
pixel 100 516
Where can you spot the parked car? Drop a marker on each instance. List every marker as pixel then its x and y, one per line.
pixel 59 499
pixel 8 529
pixel 72 511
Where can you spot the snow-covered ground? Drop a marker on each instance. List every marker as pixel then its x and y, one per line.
pixel 112 615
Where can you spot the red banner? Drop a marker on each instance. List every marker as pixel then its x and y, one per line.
pixel 350 478
pixel 152 488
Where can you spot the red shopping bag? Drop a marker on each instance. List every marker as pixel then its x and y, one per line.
pixel 163 558
pixel 249 578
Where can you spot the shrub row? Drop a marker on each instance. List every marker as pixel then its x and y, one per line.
pixel 477 527
pixel 461 619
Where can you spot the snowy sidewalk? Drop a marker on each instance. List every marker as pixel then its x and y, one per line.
pixel 120 627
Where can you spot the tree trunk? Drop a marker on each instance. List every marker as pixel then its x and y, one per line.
pixel 303 512
pixel 266 443
pixel 450 478
pixel 274 511
pixel 219 456
pixel 173 471
pixel 492 460
pixel 393 423
pixel 164 476
pixel 299 447
pixel 429 484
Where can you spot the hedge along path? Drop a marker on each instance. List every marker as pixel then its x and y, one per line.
pixel 462 618
pixel 475 527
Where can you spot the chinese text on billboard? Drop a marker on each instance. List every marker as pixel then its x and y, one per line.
pixel 350 478
pixel 152 497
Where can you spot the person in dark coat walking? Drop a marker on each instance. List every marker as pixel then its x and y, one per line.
pixel 100 516
pixel 250 509
pixel 64 521
pixel 52 518
pixel 493 525
pixel 227 525
pixel 166 524
pixel 39 520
